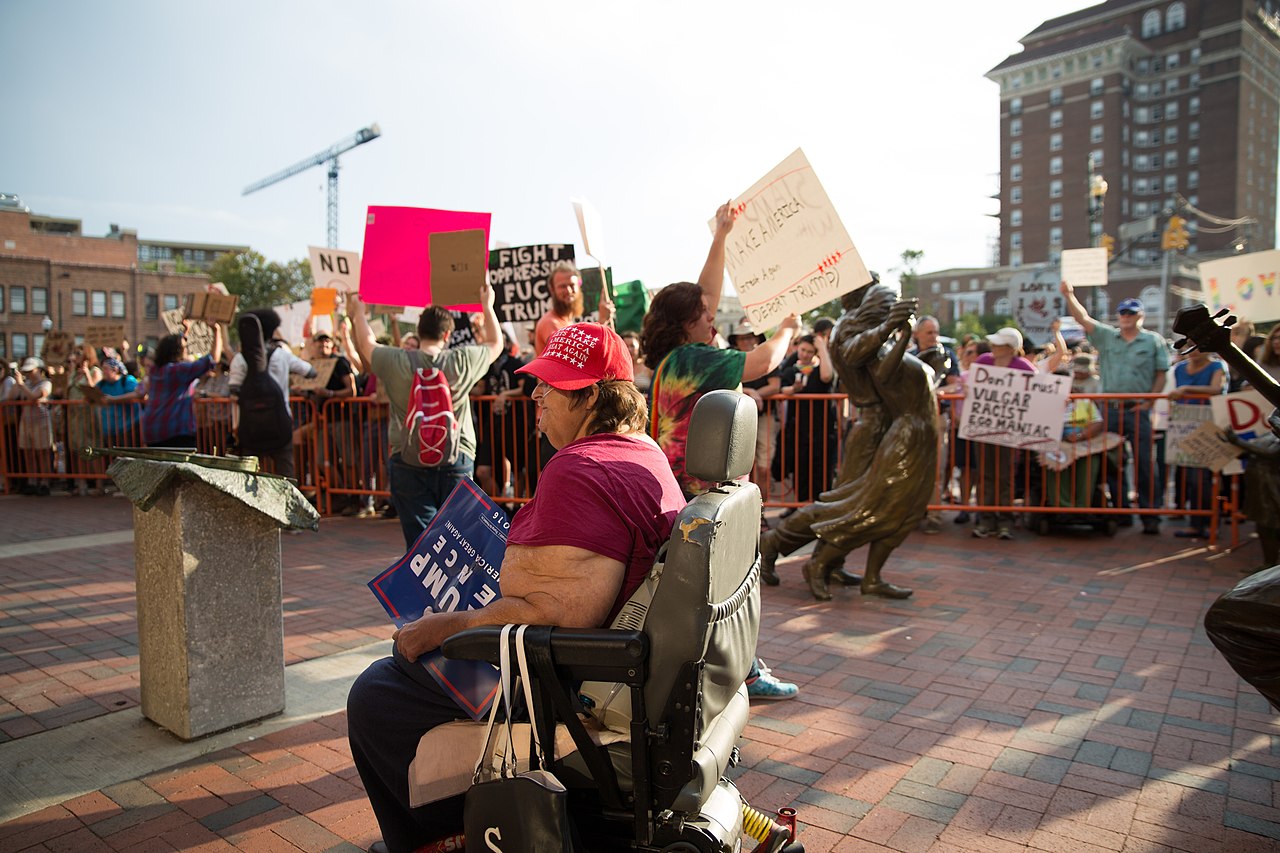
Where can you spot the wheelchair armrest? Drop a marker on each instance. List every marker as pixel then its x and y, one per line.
pixel 584 654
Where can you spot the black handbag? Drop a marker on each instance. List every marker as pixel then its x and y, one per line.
pixel 508 810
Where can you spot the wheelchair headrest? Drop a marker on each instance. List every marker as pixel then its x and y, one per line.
pixel 722 437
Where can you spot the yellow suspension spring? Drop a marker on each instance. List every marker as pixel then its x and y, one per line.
pixel 763 828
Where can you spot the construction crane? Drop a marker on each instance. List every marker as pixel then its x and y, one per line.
pixel 330 156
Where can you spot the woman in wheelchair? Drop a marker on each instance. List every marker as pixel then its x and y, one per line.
pixel 605 504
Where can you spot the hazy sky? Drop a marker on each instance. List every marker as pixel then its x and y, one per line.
pixel 155 115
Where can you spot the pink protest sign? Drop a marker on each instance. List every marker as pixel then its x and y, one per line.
pixel 396 262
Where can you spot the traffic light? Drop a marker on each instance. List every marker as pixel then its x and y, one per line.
pixel 1175 234
pixel 1109 243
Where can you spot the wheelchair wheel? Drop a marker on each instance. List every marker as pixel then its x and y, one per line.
pixel 680 847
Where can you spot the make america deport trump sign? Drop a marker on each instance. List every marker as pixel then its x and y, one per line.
pixel 788 250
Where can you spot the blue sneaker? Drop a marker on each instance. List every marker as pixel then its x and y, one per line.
pixel 766 686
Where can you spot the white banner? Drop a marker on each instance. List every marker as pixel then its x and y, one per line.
pixel 788 250
pixel 1245 414
pixel 1084 267
pixel 1016 408
pixel 1248 285
pixel 1037 302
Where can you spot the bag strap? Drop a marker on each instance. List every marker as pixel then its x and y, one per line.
pixel 523 661
pixel 486 751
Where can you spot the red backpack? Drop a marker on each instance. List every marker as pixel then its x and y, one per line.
pixel 432 434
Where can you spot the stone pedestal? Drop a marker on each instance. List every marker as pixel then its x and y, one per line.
pixel 210 619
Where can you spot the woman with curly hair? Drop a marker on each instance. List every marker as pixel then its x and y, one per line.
pixel 677 342
pixel 169 419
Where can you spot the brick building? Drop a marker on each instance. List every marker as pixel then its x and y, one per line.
pixel 1174 104
pixel 49 268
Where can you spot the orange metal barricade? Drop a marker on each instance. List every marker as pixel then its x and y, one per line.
pixel 341 451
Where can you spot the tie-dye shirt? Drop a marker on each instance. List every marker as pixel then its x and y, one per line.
pixel 688 372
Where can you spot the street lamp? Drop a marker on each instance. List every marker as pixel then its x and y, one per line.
pixel 46 323
pixel 1097 199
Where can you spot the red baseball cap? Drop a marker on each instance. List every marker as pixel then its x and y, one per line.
pixel 581 355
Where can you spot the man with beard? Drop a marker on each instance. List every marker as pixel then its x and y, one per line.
pixel 566 304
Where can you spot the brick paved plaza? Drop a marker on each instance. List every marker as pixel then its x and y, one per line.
pixel 1052 693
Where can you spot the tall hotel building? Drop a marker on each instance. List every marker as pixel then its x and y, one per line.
pixel 1174 107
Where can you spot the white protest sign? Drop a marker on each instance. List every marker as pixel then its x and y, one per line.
pixel 592 228
pixel 1184 420
pixel 1246 284
pixel 1207 448
pixel 1084 267
pixel 1037 302
pixel 335 269
pixel 1015 408
pixel 788 250
pixel 1245 414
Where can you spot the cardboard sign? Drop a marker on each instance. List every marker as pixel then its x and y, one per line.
pixel 1206 448
pixel 1037 302
pixel 199 338
pixel 211 306
pixel 172 320
pixel 57 346
pixel 1184 420
pixel 454 565
pixel 334 268
pixel 324 372
pixel 395 268
pixel 1248 285
pixel 1244 413
pixel 324 301
pixel 104 335
pixel 521 279
pixel 1084 267
pixel 93 394
pixel 458 266
pixel 592 229
pixel 788 250
pixel 1015 408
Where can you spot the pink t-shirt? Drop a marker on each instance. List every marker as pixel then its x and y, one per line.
pixel 609 494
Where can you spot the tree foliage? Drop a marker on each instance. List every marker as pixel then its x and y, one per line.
pixel 261 283
pixel 908 271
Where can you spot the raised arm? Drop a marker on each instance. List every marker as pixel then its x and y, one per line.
pixel 361 335
pixel 711 280
pixel 769 354
pixel 1077 310
pixel 492 330
pixel 1054 361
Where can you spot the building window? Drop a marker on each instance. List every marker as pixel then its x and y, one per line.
pixel 1055 189
pixel 1015 217
pixel 37 343
pixel 1015 172
pixel 4 352
pixel 39 300
pixel 1015 150
pixel 17 301
pixel 1055 212
pixel 1193 130
pixel 1193 105
pixel 1015 106
pixel 1193 179
pixel 936 287
pixel 1151 24
pixel 1015 259
pixel 1171 135
pixel 79 303
pixel 1171 110
pixel 1096 156
pixel 1015 127
pixel 1175 18
pixel 98 303
pixel 1015 195
pixel 1171 159
pixel 1055 96
pixel 1171 183
pixel 1193 154
pixel 1055 142
pixel 151 306
pixel 1194 80
pixel 1171 61
pixel 117 304
pixel 1095 86
pixel 1055 118
pixel 1055 165
pixel 1142 163
pixel 1195 56
pixel 170 302
pixel 1171 86
pixel 1095 134
pixel 1015 240
pixel 1095 110
pixel 19 345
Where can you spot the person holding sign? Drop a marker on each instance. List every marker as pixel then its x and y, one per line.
pixel 169 418
pixel 996 460
pixel 575 553
pixel 418 491
pixel 1131 360
pixel 565 285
